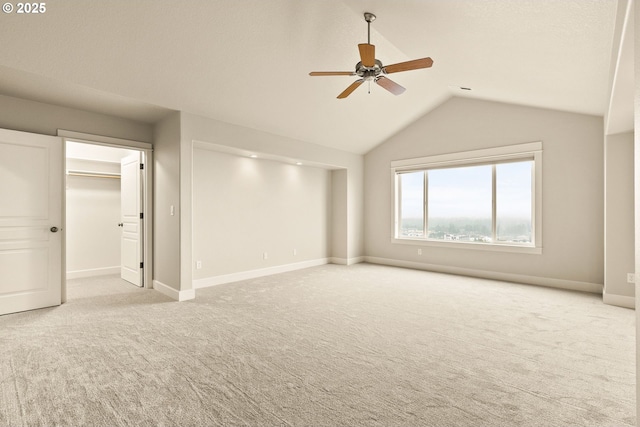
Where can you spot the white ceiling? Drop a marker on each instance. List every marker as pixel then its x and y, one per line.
pixel 247 61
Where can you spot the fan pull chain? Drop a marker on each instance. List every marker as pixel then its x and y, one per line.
pixel 369 90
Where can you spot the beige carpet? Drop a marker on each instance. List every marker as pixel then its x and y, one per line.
pixel 363 345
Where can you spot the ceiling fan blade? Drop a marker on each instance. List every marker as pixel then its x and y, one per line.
pixel 409 65
pixel 350 89
pixel 367 54
pixel 332 73
pixel 390 85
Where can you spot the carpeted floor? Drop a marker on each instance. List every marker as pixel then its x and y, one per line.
pixel 363 345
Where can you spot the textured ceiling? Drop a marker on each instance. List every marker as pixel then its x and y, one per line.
pixel 247 61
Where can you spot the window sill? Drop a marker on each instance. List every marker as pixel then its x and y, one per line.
pixel 470 245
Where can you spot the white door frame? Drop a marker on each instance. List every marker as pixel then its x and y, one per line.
pixel 147 197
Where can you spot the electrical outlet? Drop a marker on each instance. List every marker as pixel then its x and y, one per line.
pixel 419 251
pixel 198 265
pixel 265 255
pixel 631 278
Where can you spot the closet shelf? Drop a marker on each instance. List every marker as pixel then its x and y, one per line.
pixel 91 174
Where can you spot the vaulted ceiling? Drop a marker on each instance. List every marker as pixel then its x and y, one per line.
pixel 247 61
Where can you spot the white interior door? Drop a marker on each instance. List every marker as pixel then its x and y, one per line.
pixel 31 169
pixel 130 240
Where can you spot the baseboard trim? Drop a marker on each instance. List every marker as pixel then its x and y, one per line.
pixel 346 261
pixel 619 300
pixel 172 293
pixel 92 272
pixel 252 274
pixel 571 285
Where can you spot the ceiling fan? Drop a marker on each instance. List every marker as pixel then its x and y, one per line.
pixel 370 69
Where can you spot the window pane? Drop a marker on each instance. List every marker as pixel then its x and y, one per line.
pixel 412 204
pixel 460 204
pixel 513 202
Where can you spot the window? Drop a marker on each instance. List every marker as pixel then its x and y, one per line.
pixel 485 199
pixel 412 204
pixel 514 202
pixel 459 204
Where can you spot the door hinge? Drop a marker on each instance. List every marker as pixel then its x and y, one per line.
pixel 142 265
pixel 141 165
pixel 141 215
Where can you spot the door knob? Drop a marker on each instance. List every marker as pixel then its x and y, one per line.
pixel 54 229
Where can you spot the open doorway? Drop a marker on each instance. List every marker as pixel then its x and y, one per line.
pixel 105 200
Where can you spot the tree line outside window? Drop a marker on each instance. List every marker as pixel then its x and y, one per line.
pixel 486 203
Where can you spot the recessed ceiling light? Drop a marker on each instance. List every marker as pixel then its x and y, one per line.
pixel 298 163
pixel 253 156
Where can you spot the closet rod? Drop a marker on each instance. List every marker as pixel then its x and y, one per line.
pixel 93 174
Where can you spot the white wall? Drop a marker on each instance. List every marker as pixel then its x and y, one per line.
pixel 204 130
pixel 636 176
pixel 619 221
pixel 572 182
pixel 244 207
pixel 339 240
pixel 93 214
pixel 166 193
pixel 37 117
pixel 619 162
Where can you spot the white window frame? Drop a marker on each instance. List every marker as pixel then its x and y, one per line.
pixel 492 156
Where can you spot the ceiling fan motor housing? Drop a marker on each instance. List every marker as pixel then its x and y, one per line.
pixel 369 73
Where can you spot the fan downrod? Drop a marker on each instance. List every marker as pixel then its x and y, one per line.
pixel 369 17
